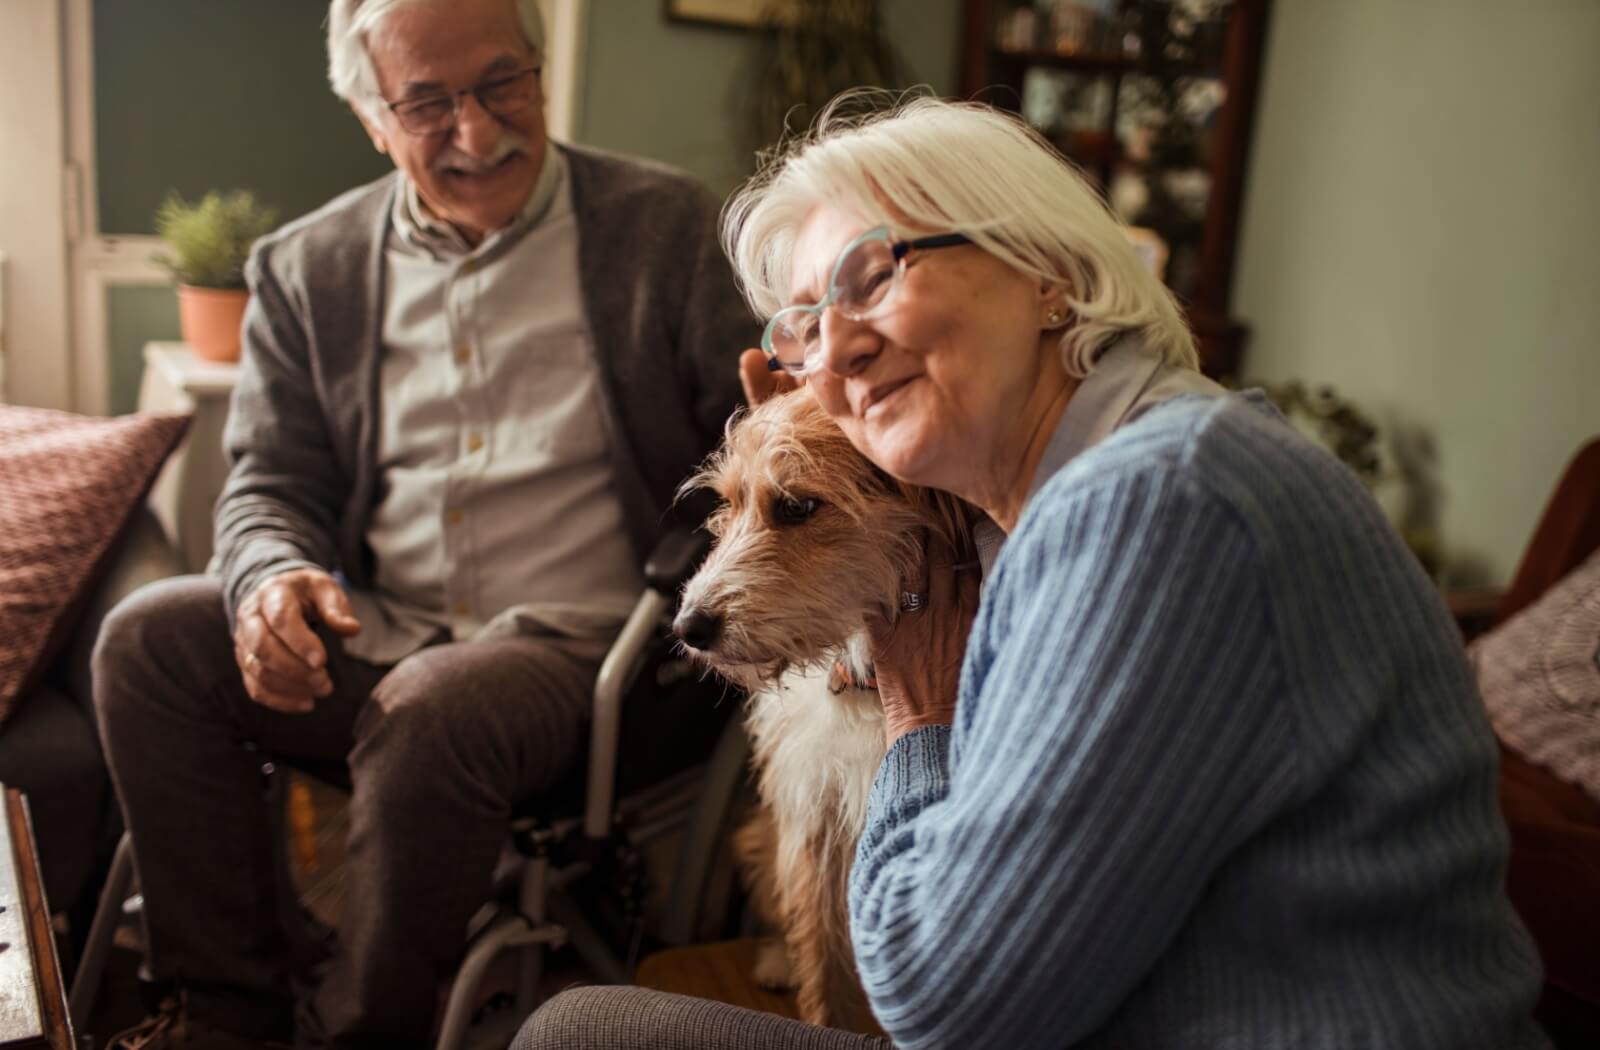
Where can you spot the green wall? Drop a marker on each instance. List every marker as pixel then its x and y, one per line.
pixel 1420 230
pixel 672 90
pixel 135 315
pixel 193 95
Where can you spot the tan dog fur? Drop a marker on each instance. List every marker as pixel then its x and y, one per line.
pixel 793 598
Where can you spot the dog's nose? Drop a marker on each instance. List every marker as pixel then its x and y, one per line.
pixel 698 628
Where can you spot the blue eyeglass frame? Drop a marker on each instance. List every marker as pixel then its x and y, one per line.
pixel 899 249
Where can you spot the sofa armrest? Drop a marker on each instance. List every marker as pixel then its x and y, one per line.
pixel 144 554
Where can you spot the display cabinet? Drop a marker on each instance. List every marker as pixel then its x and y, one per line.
pixel 1154 101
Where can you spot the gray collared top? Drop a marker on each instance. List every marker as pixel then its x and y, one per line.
pixel 1126 382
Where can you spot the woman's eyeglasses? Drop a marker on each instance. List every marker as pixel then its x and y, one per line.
pixel 502 96
pixel 865 278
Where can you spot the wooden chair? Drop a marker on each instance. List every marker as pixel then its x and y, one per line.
pixel 1554 874
pixel 1568 532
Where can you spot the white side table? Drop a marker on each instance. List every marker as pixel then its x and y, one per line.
pixel 175 380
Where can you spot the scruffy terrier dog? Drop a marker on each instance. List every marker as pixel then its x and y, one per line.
pixel 811 539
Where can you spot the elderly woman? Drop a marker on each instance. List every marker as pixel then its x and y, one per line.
pixel 1213 771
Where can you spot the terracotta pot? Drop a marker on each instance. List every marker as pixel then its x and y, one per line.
pixel 211 319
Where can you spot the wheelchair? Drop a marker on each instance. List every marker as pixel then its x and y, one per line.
pixel 666 753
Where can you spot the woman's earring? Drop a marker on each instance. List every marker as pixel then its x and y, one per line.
pixel 1054 317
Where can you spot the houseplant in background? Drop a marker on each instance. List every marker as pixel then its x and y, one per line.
pixel 1399 467
pixel 207 245
pixel 812 50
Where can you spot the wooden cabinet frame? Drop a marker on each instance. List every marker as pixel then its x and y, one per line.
pixel 984 67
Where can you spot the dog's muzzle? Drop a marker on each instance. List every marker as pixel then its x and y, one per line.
pixel 698 629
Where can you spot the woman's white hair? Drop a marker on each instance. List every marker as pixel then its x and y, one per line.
pixel 351 22
pixel 927 165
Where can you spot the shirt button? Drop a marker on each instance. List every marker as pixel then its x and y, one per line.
pixel 474 443
pixel 461 609
pixel 454 517
pixel 463 354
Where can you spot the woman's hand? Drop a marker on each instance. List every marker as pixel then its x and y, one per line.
pixel 760 382
pixel 918 654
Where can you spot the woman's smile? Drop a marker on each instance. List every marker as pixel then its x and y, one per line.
pixel 878 399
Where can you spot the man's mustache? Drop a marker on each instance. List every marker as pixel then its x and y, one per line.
pixel 454 159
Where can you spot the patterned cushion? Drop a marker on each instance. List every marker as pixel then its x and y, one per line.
pixel 68 485
pixel 1540 676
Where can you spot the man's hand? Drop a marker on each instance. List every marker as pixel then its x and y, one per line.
pixel 282 659
pixel 917 656
pixel 760 382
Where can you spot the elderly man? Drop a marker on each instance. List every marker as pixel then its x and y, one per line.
pixel 468 393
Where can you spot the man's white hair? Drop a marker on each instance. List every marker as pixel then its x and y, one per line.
pixel 925 165
pixel 351 22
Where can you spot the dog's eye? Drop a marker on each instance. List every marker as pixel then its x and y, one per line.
pixel 794 510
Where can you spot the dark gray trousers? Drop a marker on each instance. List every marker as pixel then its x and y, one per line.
pixel 620 1018
pixel 441 747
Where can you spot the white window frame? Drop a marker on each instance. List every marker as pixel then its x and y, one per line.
pixel 32 150
pixel 2 328
pixel 99 263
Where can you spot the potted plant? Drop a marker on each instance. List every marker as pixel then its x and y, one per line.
pixel 209 242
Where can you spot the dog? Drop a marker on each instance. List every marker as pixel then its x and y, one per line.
pixel 811 540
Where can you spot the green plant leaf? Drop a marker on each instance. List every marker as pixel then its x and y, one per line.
pixel 210 240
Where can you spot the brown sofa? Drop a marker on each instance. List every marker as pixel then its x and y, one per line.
pixel 1554 876
pixel 49 748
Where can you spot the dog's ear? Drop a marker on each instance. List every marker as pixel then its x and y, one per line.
pixel 710 469
pixel 956 518
pixel 950 518
pixel 716 462
pixel 703 478
pixel 889 485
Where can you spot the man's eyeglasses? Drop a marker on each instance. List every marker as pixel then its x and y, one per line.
pixel 502 96
pixel 868 271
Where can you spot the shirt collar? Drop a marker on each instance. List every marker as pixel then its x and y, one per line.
pixel 441 240
pixel 1102 402
pixel 1128 380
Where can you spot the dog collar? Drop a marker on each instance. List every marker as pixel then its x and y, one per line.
pixel 843 678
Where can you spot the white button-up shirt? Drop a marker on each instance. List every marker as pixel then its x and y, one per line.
pixel 497 510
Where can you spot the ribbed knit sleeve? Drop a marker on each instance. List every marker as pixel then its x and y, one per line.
pixel 1219 777
pixel 1120 731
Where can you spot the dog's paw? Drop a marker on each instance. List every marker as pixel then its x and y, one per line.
pixel 772 970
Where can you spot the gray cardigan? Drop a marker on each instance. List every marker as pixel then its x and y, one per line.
pixel 301 437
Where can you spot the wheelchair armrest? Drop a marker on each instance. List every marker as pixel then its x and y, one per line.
pixel 667 569
pixel 675 559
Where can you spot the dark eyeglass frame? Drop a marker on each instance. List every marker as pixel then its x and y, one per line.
pixel 406 110
pixel 899 251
